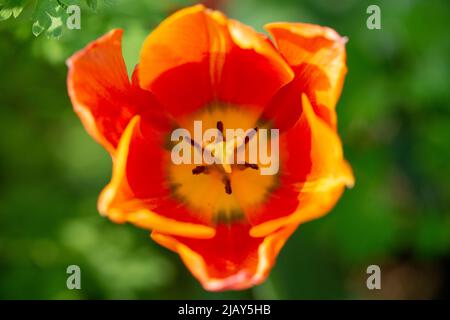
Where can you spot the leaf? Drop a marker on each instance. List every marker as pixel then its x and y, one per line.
pixel 49 16
pixel 92 4
pixel 10 8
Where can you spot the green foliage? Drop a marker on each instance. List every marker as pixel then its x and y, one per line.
pixel 11 8
pixel 92 4
pixel 47 16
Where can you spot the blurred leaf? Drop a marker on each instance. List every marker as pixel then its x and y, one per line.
pixel 433 237
pixel 11 8
pixel 121 265
pixel 92 4
pixel 48 16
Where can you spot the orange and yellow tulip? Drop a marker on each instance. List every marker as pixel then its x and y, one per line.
pixel 227 226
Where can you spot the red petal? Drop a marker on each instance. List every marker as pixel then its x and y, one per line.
pixel 138 191
pixel 232 259
pixel 100 90
pixel 205 58
pixel 317 54
pixel 285 108
pixel 313 175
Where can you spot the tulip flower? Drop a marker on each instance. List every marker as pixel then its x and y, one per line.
pixel 226 220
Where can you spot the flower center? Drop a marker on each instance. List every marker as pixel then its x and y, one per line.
pixel 221 151
pixel 223 189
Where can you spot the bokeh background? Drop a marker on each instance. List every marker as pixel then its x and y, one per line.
pixel 394 119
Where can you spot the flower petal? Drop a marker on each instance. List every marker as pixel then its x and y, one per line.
pixel 232 260
pixel 317 54
pixel 285 108
pixel 314 175
pixel 138 191
pixel 206 58
pixel 253 70
pixel 100 90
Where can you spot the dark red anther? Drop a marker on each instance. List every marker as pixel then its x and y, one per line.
pixel 198 169
pixel 251 165
pixel 227 186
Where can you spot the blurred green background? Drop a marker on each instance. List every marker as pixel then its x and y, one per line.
pixel 394 119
